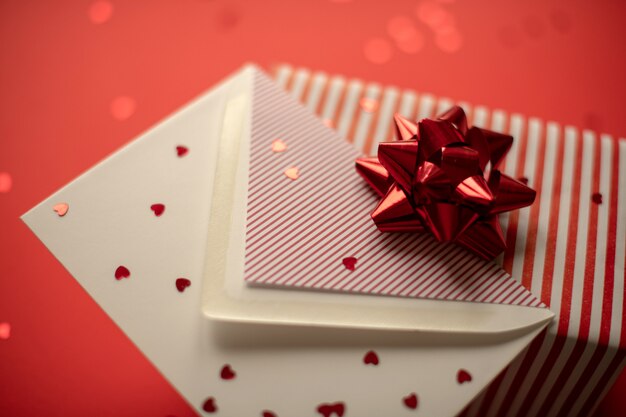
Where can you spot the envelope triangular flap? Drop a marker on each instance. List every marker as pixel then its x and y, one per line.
pixel 299 230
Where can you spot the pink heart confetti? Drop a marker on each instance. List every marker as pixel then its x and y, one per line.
pixel 181 151
pixel 370 358
pixel 279 146
pixel 158 209
pixel 5 330
pixel 349 263
pixel 182 284
pixel 410 401
pixel 227 373
pixel 121 272
pixel 463 376
pixel 293 173
pixel 61 209
pixel 210 405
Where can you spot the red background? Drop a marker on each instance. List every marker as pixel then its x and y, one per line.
pixel 63 64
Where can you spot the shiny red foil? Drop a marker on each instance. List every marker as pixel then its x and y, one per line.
pixel 432 180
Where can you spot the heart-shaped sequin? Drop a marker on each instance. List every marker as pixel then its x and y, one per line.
pixel 279 146
pixel 410 401
pixel 182 283
pixel 122 272
pixel 158 209
pixel 181 151
pixel 227 373
pixel 463 376
pixel 292 173
pixel 210 405
pixel 61 209
pixel 596 198
pixel 370 358
pixel 349 263
pixel 327 410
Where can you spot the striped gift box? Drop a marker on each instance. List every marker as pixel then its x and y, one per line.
pixel 568 248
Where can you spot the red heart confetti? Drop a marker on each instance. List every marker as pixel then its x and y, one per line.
pixel 349 263
pixel 370 358
pixel 267 413
pixel 596 198
pixel 227 373
pixel 182 283
pixel 158 209
pixel 463 376
pixel 122 272
pixel 327 410
pixel 181 151
pixel 5 330
pixel 410 401
pixel 523 180
pixel 209 405
pixel 61 209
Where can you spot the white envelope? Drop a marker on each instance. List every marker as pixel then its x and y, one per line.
pixel 290 370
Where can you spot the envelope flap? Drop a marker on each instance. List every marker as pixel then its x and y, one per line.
pixel 308 211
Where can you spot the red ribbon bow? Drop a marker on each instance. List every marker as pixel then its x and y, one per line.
pixel 432 180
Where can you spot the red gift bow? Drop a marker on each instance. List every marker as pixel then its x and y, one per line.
pixel 432 180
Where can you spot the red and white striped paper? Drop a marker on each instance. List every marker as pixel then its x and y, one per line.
pixel 568 250
pixel 299 231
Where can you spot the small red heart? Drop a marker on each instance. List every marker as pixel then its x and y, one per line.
pixel 267 413
pixel 370 358
pixel 158 209
pixel 182 283
pixel 463 376
pixel 209 405
pixel 350 263
pixel 121 272
pixel 328 409
pixel 523 180
pixel 227 373
pixel 410 401
pixel 181 151
pixel 596 198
